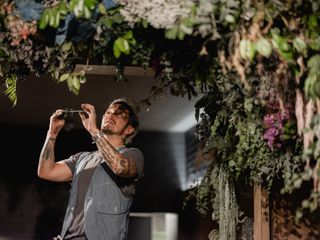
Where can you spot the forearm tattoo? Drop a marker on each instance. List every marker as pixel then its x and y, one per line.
pixel 48 149
pixel 121 165
pixel 47 159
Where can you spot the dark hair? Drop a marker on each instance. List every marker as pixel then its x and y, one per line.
pixel 133 117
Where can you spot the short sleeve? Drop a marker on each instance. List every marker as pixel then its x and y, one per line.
pixel 72 161
pixel 136 155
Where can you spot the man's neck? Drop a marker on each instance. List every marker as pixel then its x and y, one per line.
pixel 115 140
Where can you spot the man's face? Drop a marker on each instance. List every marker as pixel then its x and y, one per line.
pixel 115 120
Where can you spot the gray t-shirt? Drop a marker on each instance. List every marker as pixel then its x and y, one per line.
pixel 76 228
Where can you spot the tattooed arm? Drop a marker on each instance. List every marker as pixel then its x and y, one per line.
pixel 47 167
pixel 119 164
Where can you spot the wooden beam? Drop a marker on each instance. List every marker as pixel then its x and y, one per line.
pixel 261 226
pixel 111 70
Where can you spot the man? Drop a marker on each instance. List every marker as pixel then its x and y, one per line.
pixel 103 181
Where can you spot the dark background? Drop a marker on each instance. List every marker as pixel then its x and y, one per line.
pixel 32 208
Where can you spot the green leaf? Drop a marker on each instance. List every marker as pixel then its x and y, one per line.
pixel 247 49
pixel 102 9
pixel 128 35
pixel 186 29
pixel 56 19
pixel 297 183
pixel 76 83
pixel 172 33
pixel 144 23
pixel 64 77
pixel 299 45
pixel 51 15
pixel 181 34
pixel 229 18
pixel 314 62
pixel 77 8
pixel 117 18
pixel 116 50
pixel 11 88
pixel 280 43
pixel 66 46
pixel 123 45
pixel 264 47
pixel 90 4
pixel 315 44
pixel 312 82
pixel 72 4
pixel 188 22
pixel 62 8
pixel 87 12
pixel 312 22
pixel 248 104
pixel 299 215
pixel 286 55
pixel 232 163
pixel 44 19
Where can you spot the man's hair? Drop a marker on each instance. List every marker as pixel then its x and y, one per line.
pixel 133 120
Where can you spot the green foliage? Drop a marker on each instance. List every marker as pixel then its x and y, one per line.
pixel 52 16
pixel 122 44
pixel 243 57
pixel 11 86
pixel 312 83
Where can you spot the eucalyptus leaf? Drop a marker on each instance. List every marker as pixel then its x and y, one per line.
pixel 299 45
pixel 264 47
pixel 247 49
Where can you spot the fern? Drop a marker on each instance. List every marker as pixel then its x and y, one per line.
pixel 11 88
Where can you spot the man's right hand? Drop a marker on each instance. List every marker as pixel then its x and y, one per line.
pixel 56 123
pixel 48 168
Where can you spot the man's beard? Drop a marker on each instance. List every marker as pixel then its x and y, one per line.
pixel 108 131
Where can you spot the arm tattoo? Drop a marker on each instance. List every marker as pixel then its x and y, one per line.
pixel 120 165
pixel 47 159
pixel 48 151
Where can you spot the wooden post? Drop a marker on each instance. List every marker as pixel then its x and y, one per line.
pixel 261 226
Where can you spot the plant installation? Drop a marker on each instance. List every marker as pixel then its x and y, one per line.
pixel 256 65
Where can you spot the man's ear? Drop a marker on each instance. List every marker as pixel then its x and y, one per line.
pixel 129 130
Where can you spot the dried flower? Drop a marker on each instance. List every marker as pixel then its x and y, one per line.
pixel 161 14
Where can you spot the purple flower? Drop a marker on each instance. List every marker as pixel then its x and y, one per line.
pixel 268 120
